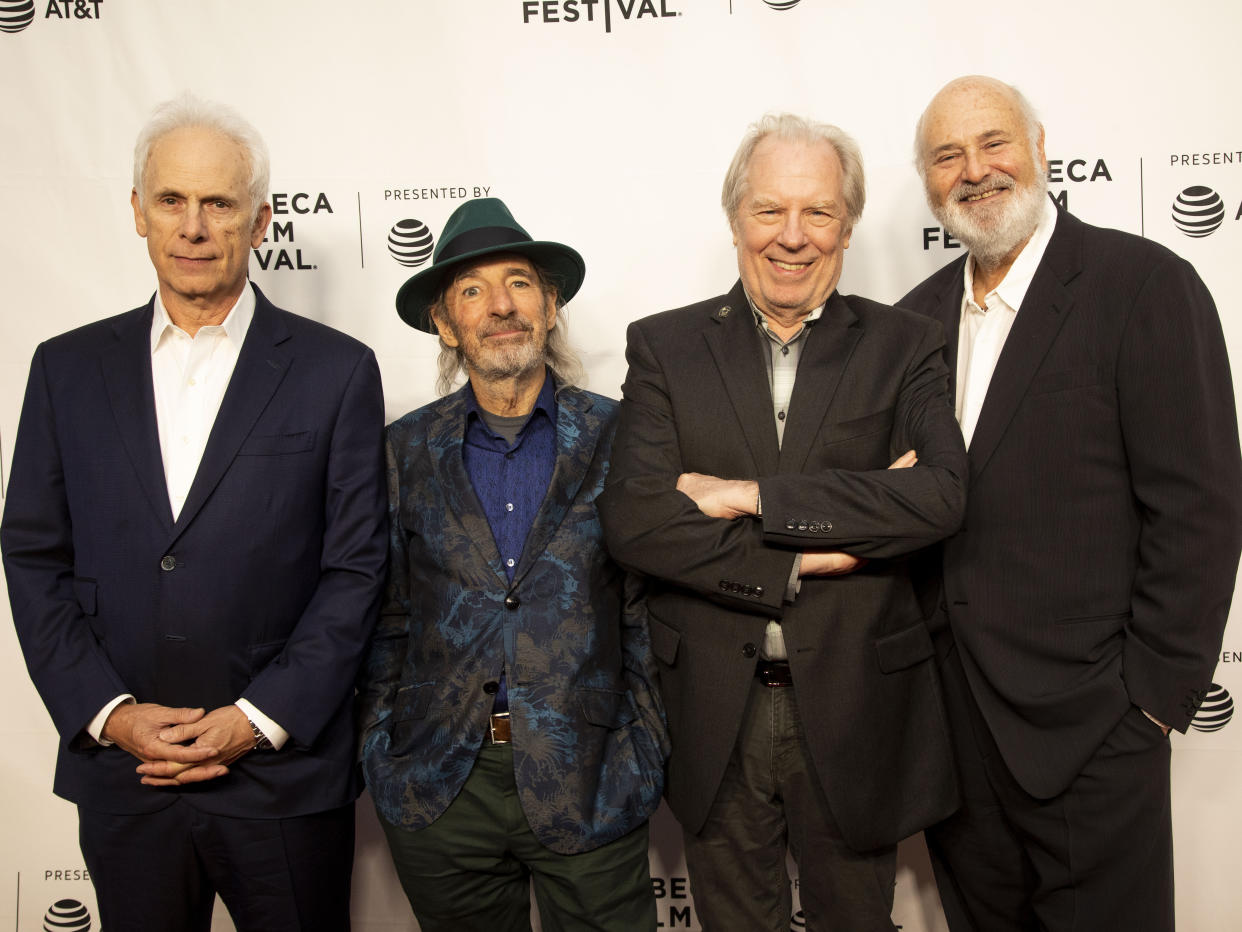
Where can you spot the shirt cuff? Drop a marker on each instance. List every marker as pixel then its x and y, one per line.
pixel 794 586
pixel 96 726
pixel 274 733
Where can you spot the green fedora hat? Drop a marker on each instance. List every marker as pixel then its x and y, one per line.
pixel 478 228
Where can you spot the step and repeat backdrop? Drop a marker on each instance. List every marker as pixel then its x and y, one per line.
pixel 608 125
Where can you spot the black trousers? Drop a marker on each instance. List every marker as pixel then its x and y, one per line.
pixel 1097 856
pixel 161 871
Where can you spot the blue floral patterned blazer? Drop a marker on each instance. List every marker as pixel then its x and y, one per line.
pixel 589 740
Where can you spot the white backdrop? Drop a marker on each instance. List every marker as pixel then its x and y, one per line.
pixel 606 124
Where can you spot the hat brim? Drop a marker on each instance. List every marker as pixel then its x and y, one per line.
pixel 562 263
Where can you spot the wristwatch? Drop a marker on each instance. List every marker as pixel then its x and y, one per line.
pixel 261 741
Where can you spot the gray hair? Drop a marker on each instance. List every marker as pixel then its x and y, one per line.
pixel 1027 112
pixel 558 353
pixel 792 128
pixel 188 110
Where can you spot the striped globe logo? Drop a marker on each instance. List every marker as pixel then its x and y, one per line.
pixel 67 916
pixel 1198 211
pixel 410 242
pixel 781 4
pixel 16 15
pixel 1216 711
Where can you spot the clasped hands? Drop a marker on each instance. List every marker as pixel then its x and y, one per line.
pixel 738 498
pixel 178 745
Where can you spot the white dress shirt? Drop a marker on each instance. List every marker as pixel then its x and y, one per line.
pixel 190 375
pixel 983 330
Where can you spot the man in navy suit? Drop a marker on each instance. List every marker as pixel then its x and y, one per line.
pixel 194 547
pixel 1085 595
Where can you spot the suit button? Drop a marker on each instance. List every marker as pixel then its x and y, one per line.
pixel 512 602
pixel 802 527
pixel 825 526
pixel 724 585
pixel 758 591
pixel 814 526
pixel 491 687
pixel 168 563
pixel 749 650
pixel 791 526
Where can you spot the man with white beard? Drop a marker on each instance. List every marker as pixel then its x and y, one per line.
pixel 1082 603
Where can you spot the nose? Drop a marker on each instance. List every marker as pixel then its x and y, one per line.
pixel 502 302
pixel 193 223
pixel 792 235
pixel 975 168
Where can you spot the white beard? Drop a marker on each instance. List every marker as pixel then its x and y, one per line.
pixel 993 233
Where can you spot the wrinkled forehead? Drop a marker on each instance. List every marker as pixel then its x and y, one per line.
pixel 964 111
pixel 502 263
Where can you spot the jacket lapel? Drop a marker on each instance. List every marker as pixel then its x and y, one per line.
pixel 127 378
pixel 830 342
pixel 261 366
pixel 445 437
pixel 736 350
pixel 578 429
pixel 1044 309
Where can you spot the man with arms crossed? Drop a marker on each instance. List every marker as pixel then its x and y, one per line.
pixel 755 433
pixel 511 734
pixel 1088 589
pixel 194 547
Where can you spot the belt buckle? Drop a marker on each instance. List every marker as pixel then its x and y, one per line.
pixel 491 728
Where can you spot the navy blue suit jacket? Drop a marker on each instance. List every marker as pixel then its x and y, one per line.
pixel 266 586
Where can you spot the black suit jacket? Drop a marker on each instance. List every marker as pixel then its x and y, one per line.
pixel 266 586
pixel 871 384
pixel 1096 563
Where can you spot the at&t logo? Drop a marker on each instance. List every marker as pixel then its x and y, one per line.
pixel 1198 211
pixel 16 15
pixel 1216 710
pixel 67 916
pixel 781 4
pixel 410 243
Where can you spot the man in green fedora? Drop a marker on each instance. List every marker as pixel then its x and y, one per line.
pixel 511 733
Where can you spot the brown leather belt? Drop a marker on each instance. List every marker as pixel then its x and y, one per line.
pixel 773 673
pixel 498 729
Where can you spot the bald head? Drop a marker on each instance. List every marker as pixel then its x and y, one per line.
pixel 977 95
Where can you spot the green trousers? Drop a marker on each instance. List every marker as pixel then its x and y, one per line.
pixel 473 868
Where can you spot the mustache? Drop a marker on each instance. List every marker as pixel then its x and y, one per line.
pixel 998 182
pixel 506 324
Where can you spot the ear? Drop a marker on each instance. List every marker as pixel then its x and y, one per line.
pixel 549 309
pixel 443 328
pixel 140 222
pixel 261 220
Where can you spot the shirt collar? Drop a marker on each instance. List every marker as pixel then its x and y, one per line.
pixel 235 324
pixel 1012 289
pixel 545 402
pixel 762 320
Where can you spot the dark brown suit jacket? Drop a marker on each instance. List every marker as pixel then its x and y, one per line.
pixel 871 384
pixel 1096 563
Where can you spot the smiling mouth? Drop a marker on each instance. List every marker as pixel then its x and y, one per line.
pixel 790 266
pixel 984 195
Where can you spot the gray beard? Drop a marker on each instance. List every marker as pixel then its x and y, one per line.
pixel 995 234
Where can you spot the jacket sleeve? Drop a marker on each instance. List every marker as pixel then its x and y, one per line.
pixel 68 666
pixel 884 512
pixel 304 686
pixel 658 531
pixel 1179 426
pixel 380 673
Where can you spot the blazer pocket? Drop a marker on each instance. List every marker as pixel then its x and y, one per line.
pixel 904 648
pixel 1111 618
pixel 409 709
pixel 664 640
pixel 607 708
pixel 87 593
pixel 1065 380
pixel 860 426
pixel 276 444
